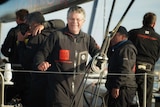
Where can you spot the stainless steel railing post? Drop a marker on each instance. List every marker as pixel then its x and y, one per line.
pixel 2 90
pixel 145 89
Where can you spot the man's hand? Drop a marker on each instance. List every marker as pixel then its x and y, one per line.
pixel 115 93
pixel 37 30
pixel 43 66
pixel 21 37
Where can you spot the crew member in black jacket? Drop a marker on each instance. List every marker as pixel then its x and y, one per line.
pixel 121 81
pixel 9 49
pixel 147 42
pixel 66 52
pixel 28 46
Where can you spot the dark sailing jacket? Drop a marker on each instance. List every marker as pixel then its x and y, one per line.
pixel 28 49
pixel 122 58
pixel 147 42
pixel 66 53
pixel 9 47
pixel 65 50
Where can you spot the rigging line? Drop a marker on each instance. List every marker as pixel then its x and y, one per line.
pixel 104 17
pixel 98 86
pixel 83 82
pixel 105 42
pixel 97 89
pixel 87 69
pixel 45 72
pixel 53 72
pixel 105 47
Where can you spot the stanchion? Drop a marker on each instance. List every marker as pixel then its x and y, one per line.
pixel 2 90
pixel 145 89
pixel 2 85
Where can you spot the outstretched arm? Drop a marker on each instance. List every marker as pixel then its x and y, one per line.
pixel 51 24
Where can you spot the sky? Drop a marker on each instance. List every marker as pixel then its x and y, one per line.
pixel 133 18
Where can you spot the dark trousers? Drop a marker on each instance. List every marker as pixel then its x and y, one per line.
pixel 140 89
pixel 125 98
pixel 38 90
pixel 61 99
pixel 60 94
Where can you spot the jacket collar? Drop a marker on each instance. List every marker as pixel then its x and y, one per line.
pixel 148 28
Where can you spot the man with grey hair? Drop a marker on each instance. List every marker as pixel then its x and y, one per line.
pixel 66 52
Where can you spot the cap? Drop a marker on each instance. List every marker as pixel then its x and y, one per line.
pixel 122 30
pixel 35 17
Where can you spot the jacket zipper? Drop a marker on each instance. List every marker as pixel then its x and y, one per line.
pixel 74 73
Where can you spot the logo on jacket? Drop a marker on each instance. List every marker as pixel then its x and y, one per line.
pixel 83 57
pixel 64 55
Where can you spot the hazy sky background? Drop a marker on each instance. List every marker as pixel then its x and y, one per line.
pixel 133 18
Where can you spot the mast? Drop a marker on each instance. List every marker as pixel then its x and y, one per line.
pixel 94 9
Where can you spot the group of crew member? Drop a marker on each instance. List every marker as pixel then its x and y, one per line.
pixel 21 44
pixel 40 46
pixel 130 53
